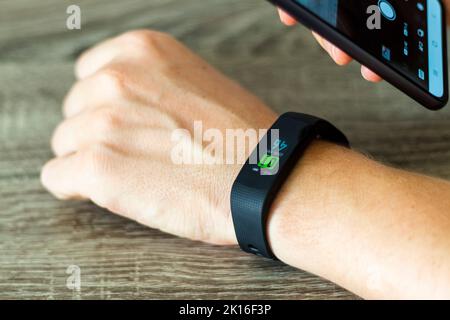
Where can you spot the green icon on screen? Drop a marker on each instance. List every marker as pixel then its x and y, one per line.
pixel 268 162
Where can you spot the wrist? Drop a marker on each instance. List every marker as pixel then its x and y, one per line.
pixel 257 186
pixel 313 194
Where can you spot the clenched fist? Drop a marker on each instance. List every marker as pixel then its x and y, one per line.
pixel 114 145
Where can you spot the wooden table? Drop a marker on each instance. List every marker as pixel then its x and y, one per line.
pixel 40 236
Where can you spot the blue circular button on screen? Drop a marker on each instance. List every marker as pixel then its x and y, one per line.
pixel 387 10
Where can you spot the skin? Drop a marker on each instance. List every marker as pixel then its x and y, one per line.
pixel 339 56
pixel 377 231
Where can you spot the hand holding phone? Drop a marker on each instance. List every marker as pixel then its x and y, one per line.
pixel 402 41
pixel 339 56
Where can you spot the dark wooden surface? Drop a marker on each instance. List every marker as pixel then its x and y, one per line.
pixel 40 236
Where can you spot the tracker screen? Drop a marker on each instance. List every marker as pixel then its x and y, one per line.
pixel 405 34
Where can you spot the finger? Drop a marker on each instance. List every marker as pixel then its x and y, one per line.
pixel 134 131
pixel 369 75
pixel 84 94
pixel 339 56
pixel 84 129
pixel 62 177
pixel 97 57
pixel 286 18
pixel 99 89
pixel 95 173
pixel 90 173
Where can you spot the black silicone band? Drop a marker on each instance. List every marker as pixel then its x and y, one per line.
pixel 256 186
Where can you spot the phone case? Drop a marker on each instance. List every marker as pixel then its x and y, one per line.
pixel 389 74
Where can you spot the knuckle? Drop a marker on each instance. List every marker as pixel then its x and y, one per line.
pixel 106 121
pixel 114 81
pixel 146 37
pixel 96 160
pixel 149 41
pixel 99 161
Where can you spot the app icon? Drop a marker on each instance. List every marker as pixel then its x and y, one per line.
pixel 268 162
pixel 421 47
pixel 387 10
pixel 420 6
pixel 405 29
pixel 386 53
pixel 421 74
pixel 420 33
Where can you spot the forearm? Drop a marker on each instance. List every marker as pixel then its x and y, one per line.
pixel 377 231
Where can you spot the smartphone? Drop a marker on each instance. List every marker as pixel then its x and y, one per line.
pixel 403 41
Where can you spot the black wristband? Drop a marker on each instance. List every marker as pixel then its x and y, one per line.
pixel 263 174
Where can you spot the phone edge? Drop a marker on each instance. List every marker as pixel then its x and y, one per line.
pixel 387 72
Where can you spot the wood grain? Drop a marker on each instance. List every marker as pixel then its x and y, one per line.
pixel 40 236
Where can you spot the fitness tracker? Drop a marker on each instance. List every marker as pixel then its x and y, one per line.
pixel 267 168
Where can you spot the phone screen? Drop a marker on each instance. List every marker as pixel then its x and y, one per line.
pixel 406 34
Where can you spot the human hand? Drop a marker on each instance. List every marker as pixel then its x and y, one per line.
pixel 114 148
pixel 339 56
pixel 114 145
